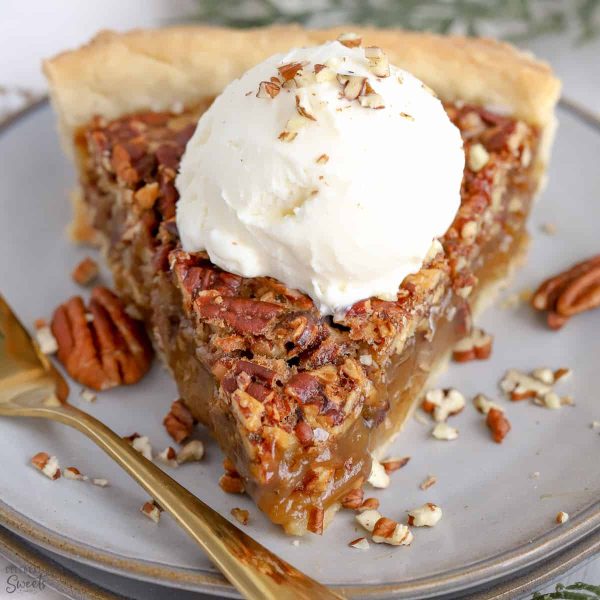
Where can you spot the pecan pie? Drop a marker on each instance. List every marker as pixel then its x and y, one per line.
pixel 299 402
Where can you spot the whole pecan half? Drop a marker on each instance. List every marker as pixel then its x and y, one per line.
pixel 101 346
pixel 571 292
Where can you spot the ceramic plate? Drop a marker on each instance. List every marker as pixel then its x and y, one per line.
pixel 498 517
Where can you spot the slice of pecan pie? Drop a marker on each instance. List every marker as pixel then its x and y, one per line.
pixel 299 402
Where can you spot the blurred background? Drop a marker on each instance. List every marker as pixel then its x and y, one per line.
pixel 564 32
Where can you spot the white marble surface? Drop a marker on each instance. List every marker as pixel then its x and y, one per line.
pixel 30 30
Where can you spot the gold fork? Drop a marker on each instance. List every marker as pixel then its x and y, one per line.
pixel 30 386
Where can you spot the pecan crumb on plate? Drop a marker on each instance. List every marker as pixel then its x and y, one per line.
pixel 483 404
pixel 353 499
pixel 442 404
pixel 192 452
pixel 47 464
pixel 476 346
pixel 168 457
pixel 498 424
pixel 427 515
pixel 360 543
pixel 378 477
pixel 369 504
pixel 151 510
pixel 86 272
pixel 241 515
pixel 74 473
pixel 443 431
pixel 393 464
pixel 428 482
pixel 179 421
pixel 387 531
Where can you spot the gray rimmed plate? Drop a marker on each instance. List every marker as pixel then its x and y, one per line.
pixel 498 517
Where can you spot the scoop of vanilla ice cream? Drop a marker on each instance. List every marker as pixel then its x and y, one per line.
pixel 335 195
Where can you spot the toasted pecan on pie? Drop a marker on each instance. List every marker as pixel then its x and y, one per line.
pixel 298 402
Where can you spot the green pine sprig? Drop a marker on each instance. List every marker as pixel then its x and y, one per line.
pixel 515 19
pixel 575 591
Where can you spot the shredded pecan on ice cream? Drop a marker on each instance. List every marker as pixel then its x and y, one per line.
pixel 569 293
pixel 102 346
pixel 179 421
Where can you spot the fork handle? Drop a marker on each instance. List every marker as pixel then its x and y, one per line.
pixel 256 572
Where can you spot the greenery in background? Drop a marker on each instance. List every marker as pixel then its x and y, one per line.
pixel 512 19
pixel 575 591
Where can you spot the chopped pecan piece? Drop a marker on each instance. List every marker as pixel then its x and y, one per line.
pixel 569 293
pixel 427 515
pixel 232 483
pixel 360 543
pixel 241 515
pixel 289 71
pixel 368 518
pixel 229 467
pixel 192 451
pixel 498 424
pixel 268 89
pixel 179 421
pixel 369 504
pixel 315 520
pixel 476 346
pixel 428 482
pixel 151 510
pixel 387 531
pixel 74 473
pixel 85 272
pixel 393 464
pixel 353 499
pixel 107 350
pixel 443 403
pixel 47 464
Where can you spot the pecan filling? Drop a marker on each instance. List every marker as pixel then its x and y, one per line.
pixel 298 401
